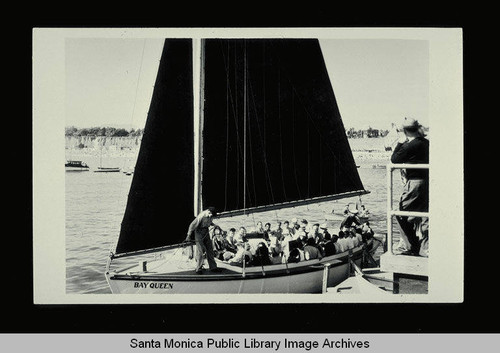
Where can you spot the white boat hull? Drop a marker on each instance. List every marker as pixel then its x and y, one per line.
pixel 303 277
pixel 107 170
pixel 76 169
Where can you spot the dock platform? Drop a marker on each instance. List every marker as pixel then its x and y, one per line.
pixel 404 264
pixel 410 273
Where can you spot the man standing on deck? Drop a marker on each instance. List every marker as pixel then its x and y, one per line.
pixel 199 226
pixel 413 148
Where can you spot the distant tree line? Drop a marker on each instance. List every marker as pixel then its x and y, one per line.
pixel 370 133
pixel 102 131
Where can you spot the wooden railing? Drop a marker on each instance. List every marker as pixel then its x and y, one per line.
pixel 390 212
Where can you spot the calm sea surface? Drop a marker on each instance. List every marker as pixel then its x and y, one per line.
pixel 95 203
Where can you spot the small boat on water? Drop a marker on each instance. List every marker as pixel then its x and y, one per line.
pixel 238 124
pixel 107 170
pixel 76 166
pixel 128 171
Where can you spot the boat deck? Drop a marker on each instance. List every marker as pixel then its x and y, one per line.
pixel 178 265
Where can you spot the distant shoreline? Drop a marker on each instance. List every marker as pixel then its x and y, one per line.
pixel 365 151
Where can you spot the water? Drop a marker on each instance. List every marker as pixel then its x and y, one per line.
pixel 95 203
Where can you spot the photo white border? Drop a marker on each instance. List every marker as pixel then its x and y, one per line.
pixel 446 261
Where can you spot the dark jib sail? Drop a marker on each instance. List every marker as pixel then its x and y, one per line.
pixel 160 201
pixel 295 145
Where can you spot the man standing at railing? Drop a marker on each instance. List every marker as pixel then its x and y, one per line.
pixel 413 148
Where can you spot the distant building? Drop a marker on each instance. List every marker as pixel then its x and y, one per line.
pixel 372 133
pixel 366 133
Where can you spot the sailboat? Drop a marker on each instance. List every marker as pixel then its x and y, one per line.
pixel 246 126
pixel 102 169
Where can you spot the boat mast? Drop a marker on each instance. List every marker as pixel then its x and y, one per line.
pixel 244 125
pixel 198 100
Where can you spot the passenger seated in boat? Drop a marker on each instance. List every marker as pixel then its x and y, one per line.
pixel 212 230
pixel 301 231
pixel 296 253
pixel 261 257
pixel 304 224
pixel 227 245
pixel 341 242
pixel 274 245
pixel 366 229
pixel 348 236
pixel 267 231
pixel 316 234
pixel 368 237
pixel 278 233
pixel 241 236
pixel 294 226
pixel 364 212
pixel 286 230
pixel 231 238
pixel 259 228
pixel 243 253
pixel 354 237
pixel 311 250
pixel 321 238
pixel 217 244
pixel 351 219
pixel 323 229
pixel 328 245
pixel 359 237
pixel 285 241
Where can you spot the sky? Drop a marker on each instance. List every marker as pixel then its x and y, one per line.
pixel 109 81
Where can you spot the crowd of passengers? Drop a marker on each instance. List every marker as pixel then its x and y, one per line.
pixel 289 242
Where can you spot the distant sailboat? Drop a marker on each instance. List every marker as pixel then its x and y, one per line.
pixel 102 169
pixel 266 135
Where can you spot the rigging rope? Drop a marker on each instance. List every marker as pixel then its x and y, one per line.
pixel 269 186
pixel 281 135
pixel 138 79
pixel 234 108
pixel 293 149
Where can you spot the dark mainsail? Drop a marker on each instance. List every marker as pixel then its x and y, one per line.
pixel 295 145
pixel 272 136
pixel 160 201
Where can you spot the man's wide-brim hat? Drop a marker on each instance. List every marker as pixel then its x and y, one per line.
pixel 410 123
